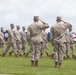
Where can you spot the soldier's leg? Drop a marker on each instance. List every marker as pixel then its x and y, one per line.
pixel 46 47
pixel 60 56
pixel 3 47
pixel 64 51
pixel 15 49
pixel 73 50
pixel 42 49
pixel 56 55
pixel 32 54
pixel 10 53
pixel 6 49
pixel 24 48
pixel 19 48
pixel 37 53
pixel 67 50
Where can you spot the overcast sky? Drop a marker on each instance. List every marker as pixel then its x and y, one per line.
pixel 21 12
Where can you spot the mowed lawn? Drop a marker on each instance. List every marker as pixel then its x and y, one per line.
pixel 21 65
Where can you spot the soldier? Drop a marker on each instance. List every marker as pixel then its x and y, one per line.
pixel 35 36
pixel 11 41
pixel 58 39
pixel 24 39
pixel 18 42
pixel 2 41
pixel 67 45
pixel 2 29
pixel 45 42
pixel 71 42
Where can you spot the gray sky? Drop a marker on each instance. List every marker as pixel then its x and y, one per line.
pixel 21 12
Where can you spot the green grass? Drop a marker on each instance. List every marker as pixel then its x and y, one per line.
pixel 21 66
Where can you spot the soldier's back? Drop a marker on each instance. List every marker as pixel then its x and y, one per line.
pixel 35 30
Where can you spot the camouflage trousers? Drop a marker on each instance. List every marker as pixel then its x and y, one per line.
pixel 72 48
pixel 24 47
pixel 2 46
pixel 35 47
pixel 66 49
pixel 58 53
pixel 19 47
pixel 44 46
pixel 9 45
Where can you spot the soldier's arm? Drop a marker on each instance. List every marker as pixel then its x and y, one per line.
pixel 24 38
pixel 2 38
pixel 51 34
pixel 44 25
pixel 11 34
pixel 68 25
pixel 28 34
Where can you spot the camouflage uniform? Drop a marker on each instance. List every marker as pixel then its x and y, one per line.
pixel 11 42
pixel 35 36
pixel 2 41
pixel 66 45
pixel 24 40
pixel 18 42
pixel 58 39
pixel 45 42
pixel 71 43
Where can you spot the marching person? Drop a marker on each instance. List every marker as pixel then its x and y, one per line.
pixel 11 42
pixel 24 39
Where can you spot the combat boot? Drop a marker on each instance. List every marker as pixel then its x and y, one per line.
pixel 41 55
pixel 59 65
pixel 36 64
pixel 32 63
pixel 64 57
pixel 26 55
pixel 56 64
pixel 47 54
pixel 10 53
pixel 16 55
pixel 73 56
pixel 68 57
pixel 3 55
pixel 20 54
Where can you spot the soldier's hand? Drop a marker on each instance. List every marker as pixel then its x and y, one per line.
pixel 41 21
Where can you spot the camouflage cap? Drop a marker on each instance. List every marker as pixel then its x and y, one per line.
pixel 23 27
pixel 59 18
pixel 36 17
pixel 18 26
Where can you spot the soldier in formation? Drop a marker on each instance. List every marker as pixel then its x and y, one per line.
pixel 58 39
pixel 36 36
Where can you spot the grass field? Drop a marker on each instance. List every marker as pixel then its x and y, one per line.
pixel 21 66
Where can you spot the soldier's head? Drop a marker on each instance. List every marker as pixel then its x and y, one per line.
pixel 12 26
pixel 58 19
pixel 18 27
pixel 2 29
pixel 36 18
pixel 70 29
pixel 23 28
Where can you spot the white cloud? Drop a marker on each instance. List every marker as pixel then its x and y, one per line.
pixel 11 17
pixel 22 11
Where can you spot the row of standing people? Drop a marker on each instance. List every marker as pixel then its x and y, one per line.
pixel 36 37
